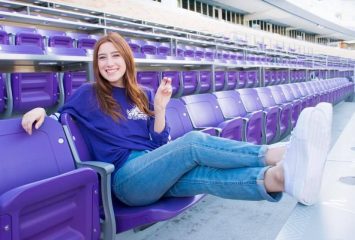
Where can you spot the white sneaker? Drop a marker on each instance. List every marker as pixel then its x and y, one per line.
pixel 306 154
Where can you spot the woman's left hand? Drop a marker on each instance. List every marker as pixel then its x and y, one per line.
pixel 163 94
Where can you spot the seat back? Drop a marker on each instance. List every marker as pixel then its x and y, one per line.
pixel 211 115
pixel 190 82
pixel 2 93
pixel 32 90
pixel 266 98
pixel 220 80
pixel 250 99
pixel 232 79
pixel 56 38
pixel 83 40
pixel 149 47
pixel 164 49
pixel 177 118
pixel 242 79
pixel 205 81
pixel 72 81
pixel 42 196
pixel 149 79
pixel 230 103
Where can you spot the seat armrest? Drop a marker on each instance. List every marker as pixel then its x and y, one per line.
pixel 211 131
pixel 232 129
pixel 102 168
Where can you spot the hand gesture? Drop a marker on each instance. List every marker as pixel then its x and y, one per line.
pixel 163 94
pixel 35 115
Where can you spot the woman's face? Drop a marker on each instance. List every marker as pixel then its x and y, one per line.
pixel 111 64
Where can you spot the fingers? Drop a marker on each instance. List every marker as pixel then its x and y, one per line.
pixel 27 124
pixel 39 122
pixel 165 85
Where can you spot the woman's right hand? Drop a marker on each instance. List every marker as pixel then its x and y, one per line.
pixel 35 115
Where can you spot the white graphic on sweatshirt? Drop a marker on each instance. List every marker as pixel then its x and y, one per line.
pixel 136 114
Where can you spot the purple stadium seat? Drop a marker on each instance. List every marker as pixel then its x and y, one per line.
pixel 267 78
pixel 273 77
pixel 209 54
pixel 24 36
pixel 149 79
pixel 56 38
pixel 205 81
pixel 297 103
pixel 190 82
pixel 164 49
pixel 179 121
pixel 281 99
pixel 2 93
pixel 271 121
pixel 189 52
pixel 253 79
pixel 199 53
pixel 242 79
pixel 42 195
pixel 220 80
pixel 267 100
pixel 232 107
pixel 30 90
pixel 211 116
pixel 180 50
pixel 72 81
pixel 149 47
pixel 135 46
pixel 4 37
pixel 83 40
pixel 117 216
pixel 232 79
pixel 176 82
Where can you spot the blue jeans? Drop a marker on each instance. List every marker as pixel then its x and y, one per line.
pixel 193 164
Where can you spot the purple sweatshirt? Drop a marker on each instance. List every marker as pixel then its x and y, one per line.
pixel 110 141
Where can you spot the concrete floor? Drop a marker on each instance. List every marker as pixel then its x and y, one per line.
pixel 220 219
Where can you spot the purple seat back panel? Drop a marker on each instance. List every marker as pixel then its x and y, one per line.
pixel 205 81
pixel 220 78
pixel 39 181
pixel 177 118
pixel 29 39
pixel 231 80
pixel 130 217
pixel 164 49
pixel 72 81
pixel 149 47
pixel 149 79
pixel 189 82
pixel 211 116
pixel 32 90
pixel 242 80
pixel 4 38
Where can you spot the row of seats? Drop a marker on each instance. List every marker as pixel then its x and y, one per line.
pixel 257 115
pixel 15 35
pixel 260 115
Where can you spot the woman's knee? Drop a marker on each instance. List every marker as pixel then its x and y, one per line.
pixel 193 137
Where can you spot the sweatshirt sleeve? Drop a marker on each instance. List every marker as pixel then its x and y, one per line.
pixel 158 138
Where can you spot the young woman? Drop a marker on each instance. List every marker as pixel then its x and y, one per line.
pixel 125 125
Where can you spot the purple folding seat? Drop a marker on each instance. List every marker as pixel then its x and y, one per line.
pixel 24 36
pixel 179 120
pixel 232 107
pixel 2 93
pixel 220 80
pixel 83 40
pixel 4 37
pixel 278 77
pixel 209 54
pixel 297 93
pixel 189 52
pixel 304 93
pixel 271 120
pixel 307 91
pixel 253 79
pixel 42 195
pixel 190 82
pixel 273 77
pixel 199 53
pixel 180 50
pixel 285 77
pixel 116 216
pixel 297 103
pixel 293 77
pixel 72 81
pixel 56 38
pixel 242 79
pixel 267 78
pixel 232 79
pixel 149 47
pixel 205 82
pixel 280 98
pixel 176 82
pixel 30 90
pixel 164 49
pixel 267 100
pixel 149 79
pixel 205 112
pixel 135 45
pixel 240 58
pixel 233 58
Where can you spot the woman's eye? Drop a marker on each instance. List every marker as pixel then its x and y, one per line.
pixel 102 58
pixel 116 55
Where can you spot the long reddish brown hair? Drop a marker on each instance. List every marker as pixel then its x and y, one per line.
pixel 103 88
